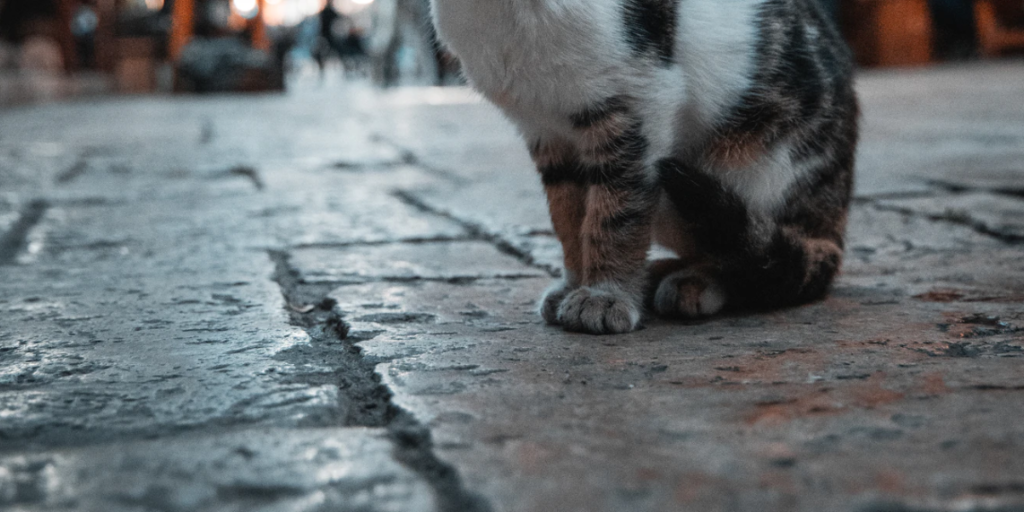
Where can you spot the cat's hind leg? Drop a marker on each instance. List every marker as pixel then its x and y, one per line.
pixel 705 224
pixel 794 269
pixel 743 261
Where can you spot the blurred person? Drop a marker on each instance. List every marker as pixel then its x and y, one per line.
pixel 403 46
pixel 84 22
pixel 327 43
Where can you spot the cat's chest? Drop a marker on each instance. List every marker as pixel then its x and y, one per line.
pixel 549 59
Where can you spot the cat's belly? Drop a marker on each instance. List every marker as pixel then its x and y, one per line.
pixel 537 62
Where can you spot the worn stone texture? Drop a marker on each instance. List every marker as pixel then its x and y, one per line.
pixel 198 297
pixel 443 260
pixel 271 470
pixel 139 301
pixel 999 215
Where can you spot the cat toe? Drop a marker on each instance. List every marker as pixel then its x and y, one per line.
pixel 551 300
pixel 598 312
pixel 689 295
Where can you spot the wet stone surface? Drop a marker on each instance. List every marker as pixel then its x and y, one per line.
pixel 310 469
pixel 327 302
pixel 443 260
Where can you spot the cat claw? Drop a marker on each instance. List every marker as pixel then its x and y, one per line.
pixel 597 311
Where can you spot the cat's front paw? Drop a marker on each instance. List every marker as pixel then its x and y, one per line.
pixel 552 299
pixel 689 294
pixel 598 311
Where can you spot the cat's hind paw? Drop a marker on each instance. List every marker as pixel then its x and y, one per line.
pixel 598 311
pixel 689 294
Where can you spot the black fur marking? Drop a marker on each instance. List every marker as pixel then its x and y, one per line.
pixel 622 168
pixel 651 27
pixel 794 84
pixel 562 173
pixel 629 148
pixel 601 112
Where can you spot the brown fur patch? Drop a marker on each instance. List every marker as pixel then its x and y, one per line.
pixel 735 151
pixel 550 153
pixel 598 143
pixel 613 254
pixel 567 203
pixel 821 254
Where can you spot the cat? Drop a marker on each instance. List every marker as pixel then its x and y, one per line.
pixel 723 130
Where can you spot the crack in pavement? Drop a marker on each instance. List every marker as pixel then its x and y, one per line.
pixel 1017 193
pixel 477 232
pixel 939 187
pixel 14 241
pixel 979 227
pixel 249 173
pixel 411 241
pixel 408 157
pixel 312 310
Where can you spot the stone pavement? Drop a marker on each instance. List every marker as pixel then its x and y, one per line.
pixel 324 301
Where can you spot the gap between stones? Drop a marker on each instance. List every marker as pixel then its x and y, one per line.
pixel 980 228
pixel 477 232
pixel 899 507
pixel 311 309
pixel 408 157
pixel 946 187
pixel 13 242
pixel 960 189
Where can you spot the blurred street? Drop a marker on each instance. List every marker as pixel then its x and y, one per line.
pixel 324 301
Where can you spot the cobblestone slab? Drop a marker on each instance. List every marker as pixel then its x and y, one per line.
pixel 444 260
pixel 334 206
pixel 270 470
pixel 121 319
pixel 960 127
pixel 999 215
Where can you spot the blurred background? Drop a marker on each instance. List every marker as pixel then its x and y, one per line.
pixel 61 48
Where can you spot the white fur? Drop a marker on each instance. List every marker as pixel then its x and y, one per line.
pixel 715 47
pixel 543 60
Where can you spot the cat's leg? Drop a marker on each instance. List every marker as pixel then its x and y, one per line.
pixel 567 197
pixel 746 261
pixel 616 230
pixel 706 224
